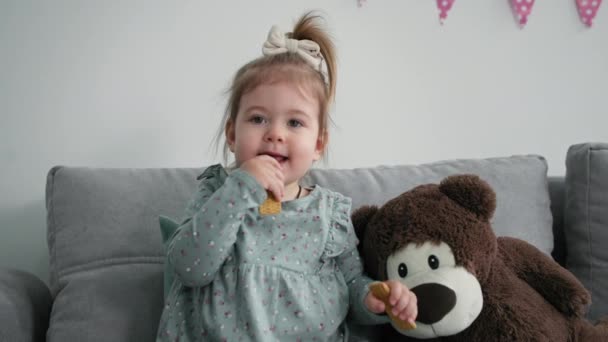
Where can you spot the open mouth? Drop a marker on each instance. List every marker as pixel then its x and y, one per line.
pixel 278 157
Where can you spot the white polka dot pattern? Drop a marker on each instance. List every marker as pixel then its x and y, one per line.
pixel 587 9
pixel 241 276
pixel 522 9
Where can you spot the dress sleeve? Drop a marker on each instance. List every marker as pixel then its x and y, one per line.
pixel 210 180
pixel 342 245
pixel 205 239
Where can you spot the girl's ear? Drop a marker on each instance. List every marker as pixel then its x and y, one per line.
pixel 230 134
pixel 320 146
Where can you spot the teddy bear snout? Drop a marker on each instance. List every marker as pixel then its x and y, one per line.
pixel 434 302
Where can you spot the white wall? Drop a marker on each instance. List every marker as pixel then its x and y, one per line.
pixel 139 84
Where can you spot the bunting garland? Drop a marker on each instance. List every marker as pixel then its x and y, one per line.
pixel 444 7
pixel 522 9
pixel 587 9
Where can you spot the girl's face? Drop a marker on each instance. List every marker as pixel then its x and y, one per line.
pixel 280 120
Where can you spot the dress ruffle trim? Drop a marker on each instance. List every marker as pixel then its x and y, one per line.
pixel 341 236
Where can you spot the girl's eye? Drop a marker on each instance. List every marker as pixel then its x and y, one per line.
pixel 257 119
pixel 294 123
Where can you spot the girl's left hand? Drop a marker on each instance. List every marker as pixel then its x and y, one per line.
pixel 403 301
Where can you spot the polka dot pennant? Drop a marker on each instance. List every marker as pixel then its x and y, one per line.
pixel 522 9
pixel 444 6
pixel 587 9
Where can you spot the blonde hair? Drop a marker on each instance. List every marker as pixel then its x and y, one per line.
pixel 287 67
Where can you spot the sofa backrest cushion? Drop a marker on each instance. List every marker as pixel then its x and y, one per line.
pixel 520 182
pixel 106 252
pixel 586 221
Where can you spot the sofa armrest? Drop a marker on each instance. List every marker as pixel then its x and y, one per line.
pixel 25 306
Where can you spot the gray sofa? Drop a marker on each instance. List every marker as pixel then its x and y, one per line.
pixel 106 257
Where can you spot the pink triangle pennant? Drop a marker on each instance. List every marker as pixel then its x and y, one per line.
pixel 444 7
pixel 587 9
pixel 522 9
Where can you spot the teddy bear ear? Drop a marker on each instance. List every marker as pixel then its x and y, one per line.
pixel 361 218
pixel 470 192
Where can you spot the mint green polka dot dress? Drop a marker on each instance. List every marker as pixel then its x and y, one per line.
pixel 240 276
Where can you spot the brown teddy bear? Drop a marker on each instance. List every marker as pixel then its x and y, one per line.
pixel 470 285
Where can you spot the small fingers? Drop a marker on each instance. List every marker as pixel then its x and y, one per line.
pixel 396 293
pixel 272 177
pixel 410 312
pixel 277 178
pixel 404 302
pixel 278 174
pixel 271 161
pixel 276 188
pixel 374 304
pixel 401 304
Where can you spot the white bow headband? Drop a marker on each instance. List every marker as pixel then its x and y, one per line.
pixel 278 42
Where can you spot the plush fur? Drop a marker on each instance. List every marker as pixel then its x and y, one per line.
pixel 470 285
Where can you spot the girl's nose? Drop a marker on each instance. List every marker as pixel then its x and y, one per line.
pixel 275 134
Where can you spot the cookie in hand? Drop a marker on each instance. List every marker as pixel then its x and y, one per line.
pixel 270 206
pixel 381 291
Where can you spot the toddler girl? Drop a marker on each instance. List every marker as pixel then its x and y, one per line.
pixel 294 275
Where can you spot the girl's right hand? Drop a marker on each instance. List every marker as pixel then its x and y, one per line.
pixel 268 172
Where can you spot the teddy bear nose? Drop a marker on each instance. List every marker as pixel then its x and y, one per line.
pixel 434 302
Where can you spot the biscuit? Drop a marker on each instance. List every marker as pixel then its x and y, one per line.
pixel 270 206
pixel 381 291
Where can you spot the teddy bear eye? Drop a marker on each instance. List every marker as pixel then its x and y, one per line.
pixel 433 262
pixel 402 270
